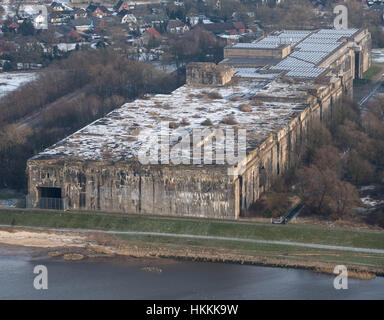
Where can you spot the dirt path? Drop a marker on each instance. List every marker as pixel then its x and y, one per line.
pixel 202 237
pixel 33 120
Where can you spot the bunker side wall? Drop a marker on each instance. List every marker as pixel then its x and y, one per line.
pixel 159 190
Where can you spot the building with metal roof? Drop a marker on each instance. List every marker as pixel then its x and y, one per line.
pixel 272 90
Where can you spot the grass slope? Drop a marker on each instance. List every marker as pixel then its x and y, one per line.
pixel 294 233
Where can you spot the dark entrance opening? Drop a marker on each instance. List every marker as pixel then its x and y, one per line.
pixel 357 65
pixel 50 198
pixel 241 195
pixel 47 192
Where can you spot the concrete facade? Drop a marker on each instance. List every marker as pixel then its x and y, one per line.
pixel 95 169
pixel 241 50
pixel 208 74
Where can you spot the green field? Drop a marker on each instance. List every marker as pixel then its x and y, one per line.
pixel 372 72
pixel 294 233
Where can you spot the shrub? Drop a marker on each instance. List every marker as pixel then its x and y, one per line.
pixel 173 125
pixel 245 108
pixel 184 122
pixel 207 122
pixel 214 95
pixel 230 120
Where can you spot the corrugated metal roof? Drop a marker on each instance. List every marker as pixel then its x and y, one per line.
pixel 309 56
pixel 309 48
pixel 300 72
pixel 261 45
pixel 254 73
pixel 290 63
pixel 318 47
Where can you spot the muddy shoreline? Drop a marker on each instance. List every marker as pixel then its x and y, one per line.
pixel 73 247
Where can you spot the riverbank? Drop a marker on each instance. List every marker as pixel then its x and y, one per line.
pixel 88 246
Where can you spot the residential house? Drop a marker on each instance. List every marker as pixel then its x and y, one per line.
pixel 152 32
pixel 121 5
pixel 80 13
pixel 177 26
pixel 73 36
pixel 83 24
pixel 11 26
pixel 153 20
pixel 239 26
pixel 98 11
pixel 40 21
pixel 129 19
pixel 195 19
pixel 57 18
pixel 58 7
pixel 231 28
pixel 148 35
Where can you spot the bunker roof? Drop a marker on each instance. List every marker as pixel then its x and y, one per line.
pixel 262 99
pixel 116 137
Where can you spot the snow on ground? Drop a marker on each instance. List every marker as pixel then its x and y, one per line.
pixel 378 55
pixel 65 47
pixel 118 136
pixel 10 81
pixel 169 68
pixel 371 202
pixel 366 188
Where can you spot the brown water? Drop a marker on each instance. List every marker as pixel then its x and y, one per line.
pixel 167 279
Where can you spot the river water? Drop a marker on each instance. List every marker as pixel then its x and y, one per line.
pixel 168 279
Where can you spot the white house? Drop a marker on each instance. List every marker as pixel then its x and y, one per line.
pixel 129 18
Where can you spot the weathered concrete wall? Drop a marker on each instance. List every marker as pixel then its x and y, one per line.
pixel 196 191
pixel 281 150
pixel 280 52
pixel 203 74
pixel 362 47
pixel 163 190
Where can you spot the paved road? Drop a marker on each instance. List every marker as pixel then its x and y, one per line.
pixel 202 237
pixel 365 99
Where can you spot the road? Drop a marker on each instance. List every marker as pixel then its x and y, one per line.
pixel 362 94
pixel 366 98
pixel 202 237
pixel 34 120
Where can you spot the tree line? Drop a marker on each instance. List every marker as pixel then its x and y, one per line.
pixel 66 96
pixel 333 163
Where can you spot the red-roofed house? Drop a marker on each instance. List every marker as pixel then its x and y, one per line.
pixel 153 33
pixel 12 26
pixel 239 25
pixel 73 35
pixel 120 6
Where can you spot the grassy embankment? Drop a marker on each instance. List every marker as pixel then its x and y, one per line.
pixel 294 233
pixel 373 71
pixel 262 253
pixel 372 75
